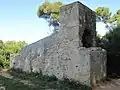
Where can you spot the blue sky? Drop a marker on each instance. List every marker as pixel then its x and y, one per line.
pixel 19 21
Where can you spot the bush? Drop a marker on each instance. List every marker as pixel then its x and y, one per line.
pixel 111 42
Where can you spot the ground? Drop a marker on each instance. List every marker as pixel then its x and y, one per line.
pixel 22 81
pixel 114 84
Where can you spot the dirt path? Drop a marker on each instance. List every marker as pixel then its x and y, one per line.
pixel 6 75
pixel 111 85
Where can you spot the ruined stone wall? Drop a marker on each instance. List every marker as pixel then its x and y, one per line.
pixel 63 54
pixel 98 63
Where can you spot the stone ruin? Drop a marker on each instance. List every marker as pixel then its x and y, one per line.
pixel 70 53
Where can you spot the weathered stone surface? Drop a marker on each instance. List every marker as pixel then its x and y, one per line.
pixel 64 54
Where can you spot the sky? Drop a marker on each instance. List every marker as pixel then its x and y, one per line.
pixel 19 21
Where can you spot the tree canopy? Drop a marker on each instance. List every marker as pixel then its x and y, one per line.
pixel 7 48
pixel 50 12
pixel 111 40
pixel 115 18
pixel 103 14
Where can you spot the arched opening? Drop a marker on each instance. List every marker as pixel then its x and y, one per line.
pixel 87 38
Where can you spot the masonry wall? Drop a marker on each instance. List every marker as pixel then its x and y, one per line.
pixel 98 63
pixel 62 54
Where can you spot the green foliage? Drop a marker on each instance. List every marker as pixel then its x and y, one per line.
pixel 14 47
pixel 103 14
pixel 115 18
pixel 50 12
pixel 7 48
pixel 50 9
pixel 111 42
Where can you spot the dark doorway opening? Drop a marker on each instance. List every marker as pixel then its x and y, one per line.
pixel 87 38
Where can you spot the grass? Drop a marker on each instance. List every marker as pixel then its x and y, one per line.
pixel 11 84
pixel 37 81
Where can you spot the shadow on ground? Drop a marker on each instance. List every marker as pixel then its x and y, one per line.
pixel 23 81
pixel 12 84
